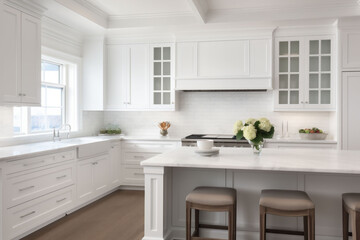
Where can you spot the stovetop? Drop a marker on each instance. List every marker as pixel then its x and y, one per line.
pixel 211 137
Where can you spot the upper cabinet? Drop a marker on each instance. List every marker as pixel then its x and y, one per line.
pixel 304 74
pixel 162 84
pixel 21 42
pixel 140 77
pixel 350 48
pixel 224 65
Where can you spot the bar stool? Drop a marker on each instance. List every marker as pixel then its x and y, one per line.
pixel 287 203
pixel 213 199
pixel 351 206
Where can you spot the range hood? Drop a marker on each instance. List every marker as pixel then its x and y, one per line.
pixel 224 85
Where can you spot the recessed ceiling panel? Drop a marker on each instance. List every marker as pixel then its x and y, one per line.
pixel 139 7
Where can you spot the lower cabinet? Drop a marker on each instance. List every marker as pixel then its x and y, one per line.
pixel 93 177
pixel 134 152
pixel 115 164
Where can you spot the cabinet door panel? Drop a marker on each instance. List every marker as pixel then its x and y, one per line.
pixel 351 50
pixel 138 93
pixel 350 113
pixel 223 58
pixel 31 59
pixel 115 161
pixel 186 56
pixel 101 174
pixel 116 95
pixel 260 57
pixel 85 180
pixel 11 82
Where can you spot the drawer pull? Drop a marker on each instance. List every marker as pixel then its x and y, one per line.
pixel 28 214
pixel 60 200
pixel 94 163
pixel 26 188
pixel 60 177
pixel 63 156
pixel 33 163
pixel 140 174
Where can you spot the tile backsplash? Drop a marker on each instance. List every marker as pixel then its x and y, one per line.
pixel 216 112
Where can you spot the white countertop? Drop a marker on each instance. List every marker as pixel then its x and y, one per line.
pixel 271 159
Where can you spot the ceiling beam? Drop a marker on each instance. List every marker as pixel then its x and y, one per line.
pixel 199 8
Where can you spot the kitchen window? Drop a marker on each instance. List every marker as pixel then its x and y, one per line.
pixel 53 112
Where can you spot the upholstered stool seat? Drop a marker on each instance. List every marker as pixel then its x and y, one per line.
pixel 351 209
pixel 213 196
pixel 214 199
pixel 287 200
pixel 289 203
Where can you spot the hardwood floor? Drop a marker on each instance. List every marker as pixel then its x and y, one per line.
pixel 118 216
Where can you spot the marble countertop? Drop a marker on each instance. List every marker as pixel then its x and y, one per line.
pixel 271 159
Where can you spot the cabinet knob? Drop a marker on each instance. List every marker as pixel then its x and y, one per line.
pixel 302 102
pixel 306 102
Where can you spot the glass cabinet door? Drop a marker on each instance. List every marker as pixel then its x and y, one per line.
pixel 289 72
pixel 162 76
pixel 319 72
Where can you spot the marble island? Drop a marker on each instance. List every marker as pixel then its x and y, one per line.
pixel 323 174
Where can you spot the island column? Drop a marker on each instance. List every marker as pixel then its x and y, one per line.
pixel 154 203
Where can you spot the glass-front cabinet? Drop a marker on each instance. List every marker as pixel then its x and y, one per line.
pixel 162 85
pixel 304 74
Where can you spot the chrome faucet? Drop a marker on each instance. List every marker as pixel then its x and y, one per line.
pixel 56 132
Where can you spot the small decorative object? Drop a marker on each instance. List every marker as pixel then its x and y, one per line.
pixel 254 131
pixel 110 130
pixel 164 126
pixel 312 134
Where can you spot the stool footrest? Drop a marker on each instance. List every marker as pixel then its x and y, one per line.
pixel 288 232
pixel 213 226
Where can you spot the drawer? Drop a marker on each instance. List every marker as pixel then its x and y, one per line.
pixel 31 214
pixel 40 161
pixel 136 158
pixel 154 146
pixel 133 176
pixel 25 187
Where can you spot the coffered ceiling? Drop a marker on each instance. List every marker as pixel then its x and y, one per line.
pixel 129 14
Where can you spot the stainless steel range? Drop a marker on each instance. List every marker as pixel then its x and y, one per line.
pixel 219 140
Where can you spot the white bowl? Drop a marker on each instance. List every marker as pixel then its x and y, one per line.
pixel 205 144
pixel 313 136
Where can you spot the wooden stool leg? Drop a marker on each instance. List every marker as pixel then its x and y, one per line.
pixel 188 221
pixel 262 223
pixel 345 220
pixel 230 223
pixel 311 224
pixel 197 216
pixel 355 224
pixel 234 222
pixel 306 229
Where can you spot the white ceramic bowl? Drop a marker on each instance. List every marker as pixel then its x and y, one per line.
pixel 313 136
pixel 205 144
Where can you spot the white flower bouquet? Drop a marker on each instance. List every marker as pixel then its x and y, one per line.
pixel 254 131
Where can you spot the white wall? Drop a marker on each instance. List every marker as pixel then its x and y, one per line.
pixel 216 112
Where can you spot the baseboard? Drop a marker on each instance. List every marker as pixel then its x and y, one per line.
pixel 129 187
pixel 178 233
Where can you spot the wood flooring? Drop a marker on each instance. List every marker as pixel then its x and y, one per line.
pixel 118 216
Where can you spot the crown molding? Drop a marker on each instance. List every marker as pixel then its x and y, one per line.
pixel 27 6
pixel 87 10
pixel 200 9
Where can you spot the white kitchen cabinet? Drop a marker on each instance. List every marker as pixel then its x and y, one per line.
pixel 93 177
pixel 134 152
pixel 21 82
pixel 291 145
pixel 304 74
pixel 350 114
pixel 224 65
pixel 350 39
pixel 93 74
pixel 162 82
pixel 36 190
pixel 115 164
pixel 128 77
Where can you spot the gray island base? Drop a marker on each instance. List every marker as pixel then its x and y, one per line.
pixel 323 174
